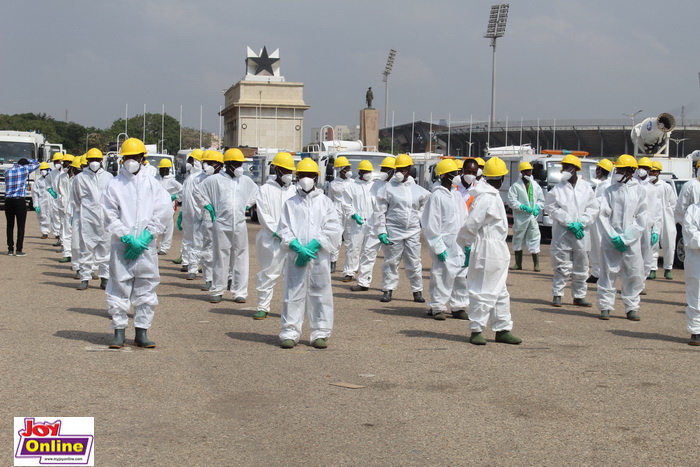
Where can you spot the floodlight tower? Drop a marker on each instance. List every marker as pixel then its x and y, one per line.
pixel 387 72
pixel 495 29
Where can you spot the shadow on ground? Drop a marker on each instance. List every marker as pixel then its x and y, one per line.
pixel 648 335
pixel 269 339
pixel 97 338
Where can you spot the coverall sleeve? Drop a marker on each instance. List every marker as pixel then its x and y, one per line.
pixel 382 208
pixel 634 231
pixel 425 194
pixel 331 230
pixel 200 194
pixel 604 217
pixel 590 213
pixel 477 217
pixel 554 210
pixel 682 203
pixel 264 215
pixel 513 200
pixel 691 233
pixel 162 210
pixel 253 195
pixel 348 208
pixel 283 231
pixel 432 224
pixel 539 195
pixel 112 211
pixel 671 196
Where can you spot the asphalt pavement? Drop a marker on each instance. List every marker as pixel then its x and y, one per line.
pixel 218 389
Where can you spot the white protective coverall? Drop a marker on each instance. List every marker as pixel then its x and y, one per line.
pixel 65 211
pixel 691 240
pixel 191 215
pixel 173 187
pixel 229 196
pixel 595 255
pixel 444 215
pixel 650 254
pixel 52 182
pixel 526 230
pixel 132 203
pixel 566 203
pixel 41 198
pixel 268 249
pixel 485 231
pixel 399 215
pixel 150 169
pixel 357 200
pixel 690 194
pixel 372 243
pixel 623 212
pixel 93 242
pixel 336 192
pixel 667 241
pixel 307 289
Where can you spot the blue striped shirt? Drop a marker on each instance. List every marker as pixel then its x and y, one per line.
pixel 16 179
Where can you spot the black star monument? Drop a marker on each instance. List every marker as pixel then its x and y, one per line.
pixel 264 62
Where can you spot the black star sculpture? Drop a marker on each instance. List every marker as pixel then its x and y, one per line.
pixel 264 63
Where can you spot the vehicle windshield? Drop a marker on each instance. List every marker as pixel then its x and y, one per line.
pixel 154 159
pixel 11 152
pixel 587 172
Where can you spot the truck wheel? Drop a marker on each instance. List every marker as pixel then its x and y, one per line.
pixel 679 257
pixel 254 214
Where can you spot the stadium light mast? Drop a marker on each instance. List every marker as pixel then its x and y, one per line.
pixel 495 29
pixel 387 71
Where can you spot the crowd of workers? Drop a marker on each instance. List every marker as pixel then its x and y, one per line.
pixel 108 228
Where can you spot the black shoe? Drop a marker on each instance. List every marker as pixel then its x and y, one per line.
pixel 141 339
pixel 20 253
pixel 358 288
pixel 58 243
pixel 347 278
pixel 161 253
pixel 418 297
pixel 556 301
pixel 386 297
pixel 332 267
pixel 118 341
pixel 694 340
pixel 10 252
pixel 44 237
pixel 184 268
pixel 103 283
pixel 592 280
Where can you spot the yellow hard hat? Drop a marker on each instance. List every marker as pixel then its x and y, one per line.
pixel 524 165
pixel 644 162
pixel 446 166
pixel 366 166
pixel 68 157
pixel 284 160
pixel 495 168
pixel 308 165
pixel 698 163
pixel 656 165
pixel 83 160
pixel 196 154
pixel 44 166
pixel 132 147
pixel 341 161
pixel 57 156
pixel 77 162
pixel 165 163
pixel 403 160
pixel 94 153
pixel 480 162
pixel 212 155
pixel 573 160
pixel 460 163
pixel 626 160
pixel 388 162
pixel 605 164
pixel 234 155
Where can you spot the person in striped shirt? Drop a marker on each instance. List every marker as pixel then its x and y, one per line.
pixel 16 202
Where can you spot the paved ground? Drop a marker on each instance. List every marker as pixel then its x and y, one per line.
pixel 219 391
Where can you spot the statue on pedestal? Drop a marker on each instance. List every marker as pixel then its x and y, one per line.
pixel 369 97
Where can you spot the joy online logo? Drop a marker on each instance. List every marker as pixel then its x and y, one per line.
pixel 43 440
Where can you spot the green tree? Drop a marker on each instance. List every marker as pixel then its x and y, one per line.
pixel 385 146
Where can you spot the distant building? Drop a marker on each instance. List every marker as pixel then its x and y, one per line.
pixel 339 132
pixel 263 110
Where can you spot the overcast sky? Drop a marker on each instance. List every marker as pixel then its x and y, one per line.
pixel 564 59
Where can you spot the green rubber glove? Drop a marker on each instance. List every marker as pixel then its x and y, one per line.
pixel 131 253
pixel 358 219
pixel 619 244
pixel 212 213
pixel 304 255
pixel 526 208
pixel 52 193
pixel 384 239
pixel 38 211
pixel 536 211
pixel 313 246
pixel 179 221
pixel 654 238
pixel 467 254
pixel 173 197
pixel 442 256
pixel 579 234
pixel 571 227
pixel 274 235
pixel 128 239
pixel 295 246
pixel 145 238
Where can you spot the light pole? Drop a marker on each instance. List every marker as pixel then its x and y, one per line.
pixel 125 137
pixel 678 141
pixel 387 71
pixel 632 115
pixel 495 29
pixel 470 147
pixel 161 146
pixel 87 138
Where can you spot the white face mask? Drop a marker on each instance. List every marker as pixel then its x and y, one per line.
pixel 169 175
pixel 348 174
pixel 198 165
pixel 95 166
pixel 131 166
pixel 286 179
pixel 306 184
pixel 479 172
pixel 367 176
pixel 528 177
pixel 383 176
pixel 238 172
pixel 188 167
pixel 566 176
pixel 398 176
pixel 642 173
pixel 469 179
pixel 208 169
pixel 44 173
pixel 58 166
pixel 653 178
pixel 618 177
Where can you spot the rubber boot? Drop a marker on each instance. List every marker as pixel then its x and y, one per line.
pixel 460 314
pixel 141 339
pixel 556 301
pixel 667 274
pixel 582 302
pixel 260 314
pixel 103 283
pixel 652 275
pixel 178 261
pixel 477 338
pixel 536 261
pixel 320 343
pixel 118 341
pixel 287 344
pixel 65 259
pixel 518 261
pixel 592 279
pixel 358 288
pixel 82 286
pixel 694 340
pixel 386 297
pixel 507 338
pixel 332 267
pixel 418 297
pixel 632 315
pixel 604 315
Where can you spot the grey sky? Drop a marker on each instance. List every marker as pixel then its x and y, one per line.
pixel 559 59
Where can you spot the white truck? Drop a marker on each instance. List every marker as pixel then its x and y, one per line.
pixel 15 145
